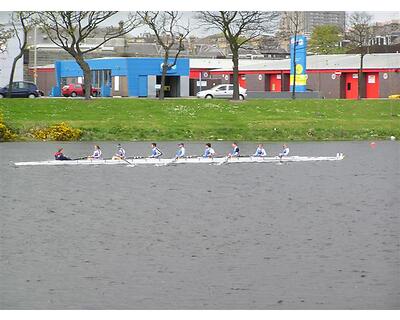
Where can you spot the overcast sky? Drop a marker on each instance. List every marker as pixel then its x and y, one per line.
pixel 378 16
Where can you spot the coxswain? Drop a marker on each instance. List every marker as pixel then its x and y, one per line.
pixel 96 153
pixel 260 152
pixel 235 150
pixel 284 152
pixel 209 151
pixel 120 154
pixel 155 152
pixel 181 151
pixel 59 155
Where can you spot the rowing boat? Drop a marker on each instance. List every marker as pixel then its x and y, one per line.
pixel 186 160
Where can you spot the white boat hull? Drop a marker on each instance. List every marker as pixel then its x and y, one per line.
pixel 194 160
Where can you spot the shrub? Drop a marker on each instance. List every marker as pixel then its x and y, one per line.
pixel 5 133
pixel 58 132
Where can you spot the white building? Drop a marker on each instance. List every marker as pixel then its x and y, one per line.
pixel 6 60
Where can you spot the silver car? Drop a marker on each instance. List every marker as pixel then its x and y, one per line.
pixel 221 91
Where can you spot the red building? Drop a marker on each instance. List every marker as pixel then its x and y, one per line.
pixel 329 76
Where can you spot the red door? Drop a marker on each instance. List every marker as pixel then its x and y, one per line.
pixel 372 85
pixel 242 81
pixel 275 83
pixel 351 86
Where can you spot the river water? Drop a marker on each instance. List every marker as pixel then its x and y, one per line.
pixel 246 236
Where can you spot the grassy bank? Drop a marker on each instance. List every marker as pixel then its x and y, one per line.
pixel 191 119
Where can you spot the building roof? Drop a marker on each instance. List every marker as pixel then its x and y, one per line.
pixel 328 62
pixel 224 63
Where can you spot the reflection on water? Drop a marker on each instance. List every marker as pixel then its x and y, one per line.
pixel 294 236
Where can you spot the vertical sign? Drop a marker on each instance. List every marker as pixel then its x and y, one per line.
pixel 301 54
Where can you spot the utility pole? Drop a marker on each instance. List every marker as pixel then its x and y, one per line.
pixel 294 67
pixel 35 55
pixel 199 81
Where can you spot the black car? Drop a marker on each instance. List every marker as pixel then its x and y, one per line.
pixel 21 89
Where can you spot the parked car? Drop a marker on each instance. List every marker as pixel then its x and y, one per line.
pixel 75 90
pixel 21 89
pixel 221 91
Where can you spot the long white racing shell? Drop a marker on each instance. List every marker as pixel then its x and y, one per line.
pixel 186 160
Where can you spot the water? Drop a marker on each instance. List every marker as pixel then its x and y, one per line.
pixel 253 236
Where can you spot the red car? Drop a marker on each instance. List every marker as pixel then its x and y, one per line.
pixel 75 89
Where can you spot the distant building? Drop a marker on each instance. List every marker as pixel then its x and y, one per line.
pixel 385 34
pixel 308 20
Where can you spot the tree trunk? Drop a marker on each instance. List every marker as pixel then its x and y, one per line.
pixel 361 77
pixel 87 75
pixel 163 76
pixel 11 80
pixel 294 67
pixel 235 60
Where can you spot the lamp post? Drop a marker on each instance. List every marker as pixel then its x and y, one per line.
pixel 35 55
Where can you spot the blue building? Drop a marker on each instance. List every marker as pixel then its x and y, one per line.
pixel 126 77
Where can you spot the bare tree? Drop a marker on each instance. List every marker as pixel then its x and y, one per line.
pixel 5 35
pixel 360 34
pixel 69 30
pixel 294 26
pixel 22 23
pixel 238 28
pixel 170 35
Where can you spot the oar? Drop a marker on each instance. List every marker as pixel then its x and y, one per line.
pixel 80 158
pixel 223 161
pixel 130 163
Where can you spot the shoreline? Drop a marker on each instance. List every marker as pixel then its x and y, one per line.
pixel 206 120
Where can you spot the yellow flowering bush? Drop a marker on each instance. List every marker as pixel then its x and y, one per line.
pixel 58 132
pixel 5 133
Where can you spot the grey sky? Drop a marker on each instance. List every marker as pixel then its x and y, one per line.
pixel 378 16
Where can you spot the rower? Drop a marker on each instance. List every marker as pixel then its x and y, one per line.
pixel 120 155
pixel 59 155
pixel 235 150
pixel 155 152
pixel 284 152
pixel 260 152
pixel 209 151
pixel 181 151
pixel 96 153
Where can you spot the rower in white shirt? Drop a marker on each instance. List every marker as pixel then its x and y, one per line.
pixel 96 154
pixel 181 151
pixel 260 152
pixel 285 151
pixel 155 152
pixel 235 151
pixel 120 154
pixel 209 151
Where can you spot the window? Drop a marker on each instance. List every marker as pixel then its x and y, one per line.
pixel 230 87
pixel 221 88
pixel 18 85
pixel 348 86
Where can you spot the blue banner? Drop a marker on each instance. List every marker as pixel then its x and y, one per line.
pixel 300 45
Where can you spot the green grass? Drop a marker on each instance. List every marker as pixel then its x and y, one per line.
pixel 191 119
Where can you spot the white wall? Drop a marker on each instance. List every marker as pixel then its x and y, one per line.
pixel 151 86
pixel 6 60
pixel 184 86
